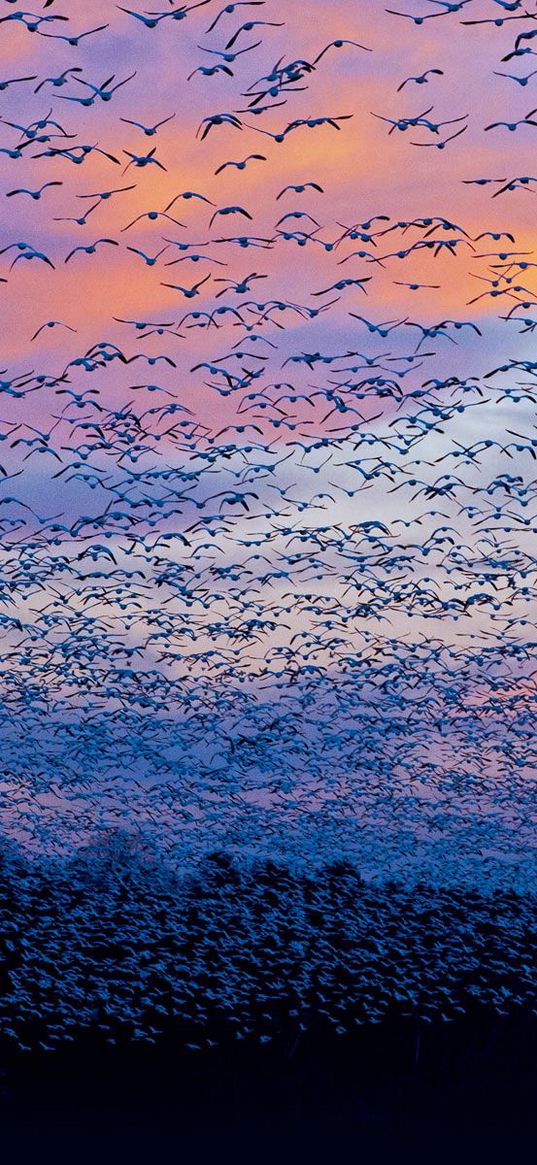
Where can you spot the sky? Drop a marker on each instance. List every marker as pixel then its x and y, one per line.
pixel 237 602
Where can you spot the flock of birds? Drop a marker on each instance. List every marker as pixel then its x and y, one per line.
pixel 268 573
pixel 233 958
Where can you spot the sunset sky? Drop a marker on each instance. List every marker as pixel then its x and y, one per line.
pixel 170 499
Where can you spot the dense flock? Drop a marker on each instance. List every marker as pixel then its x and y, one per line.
pixel 268 566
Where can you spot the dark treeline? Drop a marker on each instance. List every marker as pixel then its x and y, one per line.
pixel 114 947
pixel 238 1011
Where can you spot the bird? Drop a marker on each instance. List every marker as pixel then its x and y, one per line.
pixel 522 81
pixel 34 194
pixel 143 160
pixel 187 195
pixel 300 188
pixel 338 44
pixel 442 144
pixel 241 165
pixel 248 26
pixel 229 10
pixel 513 125
pixel 74 40
pixel 150 130
pixel 90 249
pixel 149 260
pixel 58 81
pixel 227 210
pixel 188 292
pixel 52 324
pixel 421 78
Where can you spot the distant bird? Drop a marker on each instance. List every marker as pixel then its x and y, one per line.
pixel 513 125
pixel 105 195
pixel 300 188
pixel 217 119
pixel 149 260
pixel 248 26
pixel 91 248
pixel 187 292
pixel 187 195
pixel 421 78
pixel 52 324
pixel 15 81
pixel 227 210
pixel 211 71
pixel 104 92
pixel 229 9
pixel 143 160
pixel 442 144
pixel 34 194
pixel 58 81
pixel 522 81
pixel 338 44
pixel 149 131
pixel 250 157
pixel 74 41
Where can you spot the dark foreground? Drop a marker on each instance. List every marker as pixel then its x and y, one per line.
pixel 261 1014
pixel 467 1093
